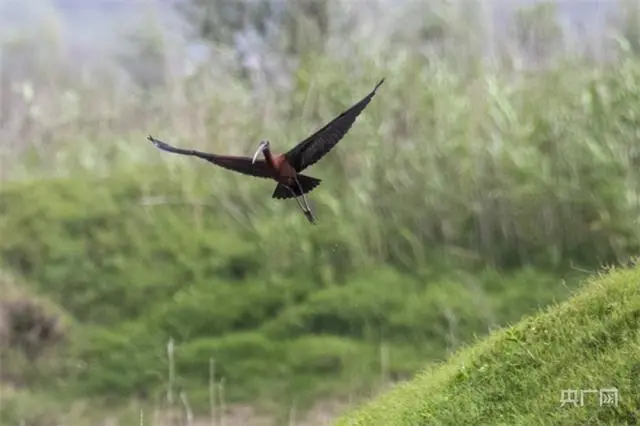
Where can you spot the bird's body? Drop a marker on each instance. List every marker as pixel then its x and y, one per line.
pixel 283 171
pixel 287 177
pixel 285 168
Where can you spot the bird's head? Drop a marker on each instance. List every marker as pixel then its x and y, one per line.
pixel 262 147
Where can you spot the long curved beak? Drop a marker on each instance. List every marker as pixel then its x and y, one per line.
pixel 258 151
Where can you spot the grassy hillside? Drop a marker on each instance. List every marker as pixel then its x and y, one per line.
pixel 516 375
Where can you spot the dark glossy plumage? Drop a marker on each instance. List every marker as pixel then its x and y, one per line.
pixel 316 146
pixel 237 164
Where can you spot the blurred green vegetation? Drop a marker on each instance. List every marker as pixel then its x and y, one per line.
pixel 133 277
pixel 467 195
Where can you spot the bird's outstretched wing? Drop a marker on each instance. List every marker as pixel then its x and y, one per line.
pixel 316 146
pixel 237 164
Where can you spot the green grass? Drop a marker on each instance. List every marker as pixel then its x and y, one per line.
pixel 516 375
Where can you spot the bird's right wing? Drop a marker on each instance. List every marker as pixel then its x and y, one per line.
pixel 238 164
pixel 316 146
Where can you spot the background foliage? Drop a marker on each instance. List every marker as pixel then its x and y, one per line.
pixel 488 174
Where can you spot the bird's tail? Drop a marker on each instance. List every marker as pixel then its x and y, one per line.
pixel 307 183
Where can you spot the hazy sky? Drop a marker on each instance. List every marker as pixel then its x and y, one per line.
pixel 94 25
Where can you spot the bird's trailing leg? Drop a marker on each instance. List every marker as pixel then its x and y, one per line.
pixel 302 207
pixel 305 208
pixel 304 197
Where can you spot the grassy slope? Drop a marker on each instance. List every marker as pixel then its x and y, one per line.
pixel 516 375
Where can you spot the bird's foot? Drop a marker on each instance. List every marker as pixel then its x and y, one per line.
pixel 309 216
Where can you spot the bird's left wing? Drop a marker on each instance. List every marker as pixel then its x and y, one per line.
pixel 238 164
pixel 316 146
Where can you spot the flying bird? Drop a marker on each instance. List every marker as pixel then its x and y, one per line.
pixel 285 168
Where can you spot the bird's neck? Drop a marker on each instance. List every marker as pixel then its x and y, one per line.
pixel 268 157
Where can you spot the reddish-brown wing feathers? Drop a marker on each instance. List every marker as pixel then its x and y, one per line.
pixel 316 146
pixel 238 164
